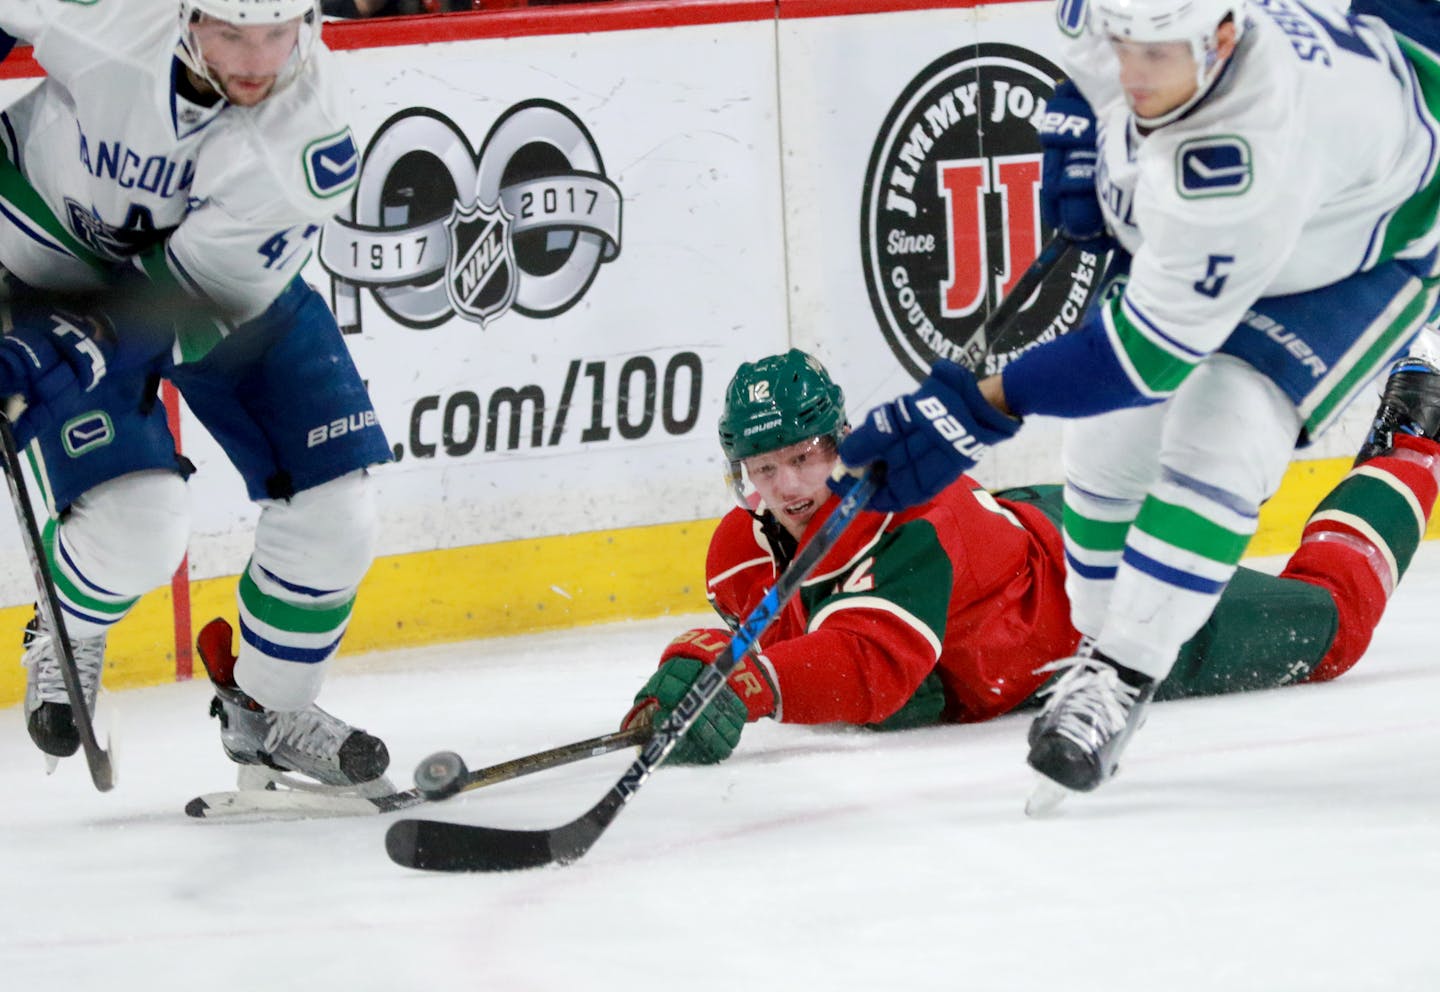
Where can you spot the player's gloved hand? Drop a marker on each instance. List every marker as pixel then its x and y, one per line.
pixel 746 695
pixel 927 439
pixel 1068 201
pixel 47 355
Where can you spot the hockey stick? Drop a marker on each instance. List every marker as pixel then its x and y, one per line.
pixel 102 770
pixel 439 846
pixel 983 343
pixel 304 802
pixel 541 761
pixel 996 325
pixel 444 774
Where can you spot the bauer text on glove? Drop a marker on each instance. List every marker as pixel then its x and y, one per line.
pixel 927 439
pixel 1068 200
pixel 748 694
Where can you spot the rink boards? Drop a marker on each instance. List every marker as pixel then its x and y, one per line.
pixel 571 224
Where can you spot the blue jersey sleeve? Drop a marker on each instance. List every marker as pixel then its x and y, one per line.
pixel 1075 376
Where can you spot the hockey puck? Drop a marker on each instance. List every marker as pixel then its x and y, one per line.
pixel 441 775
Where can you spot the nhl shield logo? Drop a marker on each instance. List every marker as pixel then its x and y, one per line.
pixel 480 272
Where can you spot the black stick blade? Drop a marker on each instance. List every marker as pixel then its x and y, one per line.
pixel 433 845
pixel 102 770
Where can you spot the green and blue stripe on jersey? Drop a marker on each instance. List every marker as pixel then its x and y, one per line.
pixel 1320 347
pixel 1411 229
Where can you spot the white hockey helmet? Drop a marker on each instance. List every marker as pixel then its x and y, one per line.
pixel 1195 22
pixel 245 13
pixel 251 11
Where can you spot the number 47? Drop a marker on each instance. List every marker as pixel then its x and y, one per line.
pixel 275 246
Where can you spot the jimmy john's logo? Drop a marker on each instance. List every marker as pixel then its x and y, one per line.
pixel 950 217
pixel 437 230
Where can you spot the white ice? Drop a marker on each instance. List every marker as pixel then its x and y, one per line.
pixel 1287 840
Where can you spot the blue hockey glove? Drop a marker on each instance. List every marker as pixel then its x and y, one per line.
pixel 1068 201
pixel 48 354
pixel 928 438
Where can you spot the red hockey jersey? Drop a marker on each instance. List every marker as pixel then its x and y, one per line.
pixel 967 585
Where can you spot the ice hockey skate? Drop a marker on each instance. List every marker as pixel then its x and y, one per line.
pixel 1090 712
pixel 48 716
pixel 322 764
pixel 1410 404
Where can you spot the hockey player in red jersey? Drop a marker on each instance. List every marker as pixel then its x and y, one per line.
pixel 951 610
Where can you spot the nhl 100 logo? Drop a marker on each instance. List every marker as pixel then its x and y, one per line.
pixel 436 230
pixel 950 215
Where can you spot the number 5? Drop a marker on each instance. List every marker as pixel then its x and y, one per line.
pixel 1216 273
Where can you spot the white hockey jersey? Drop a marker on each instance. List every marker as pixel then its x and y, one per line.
pixel 236 194
pixel 1313 157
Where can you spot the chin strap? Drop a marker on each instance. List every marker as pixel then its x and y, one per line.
pixel 783 544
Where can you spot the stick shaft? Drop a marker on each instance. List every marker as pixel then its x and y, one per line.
pixel 102 771
pixel 555 757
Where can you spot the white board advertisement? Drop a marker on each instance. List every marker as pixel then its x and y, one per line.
pixel 561 245
pixel 556 255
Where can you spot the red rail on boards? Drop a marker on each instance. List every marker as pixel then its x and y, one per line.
pixel 575 18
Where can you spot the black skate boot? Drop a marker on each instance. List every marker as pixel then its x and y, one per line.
pixel 1410 404
pixel 310 742
pixel 48 716
pixel 1089 715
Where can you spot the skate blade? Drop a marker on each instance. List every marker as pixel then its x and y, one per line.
pixel 261 778
pixel 1045 800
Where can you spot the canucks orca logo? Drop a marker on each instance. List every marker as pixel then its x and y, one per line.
pixel 331 164
pixel 87 432
pixel 1070 15
pixel 1213 167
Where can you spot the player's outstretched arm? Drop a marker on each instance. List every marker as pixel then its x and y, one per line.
pixel 929 438
pixel 747 695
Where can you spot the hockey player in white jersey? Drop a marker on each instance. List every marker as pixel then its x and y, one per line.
pixel 202 143
pixel 1267 170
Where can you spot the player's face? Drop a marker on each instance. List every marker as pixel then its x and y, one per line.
pixel 245 60
pixel 791 480
pixel 1157 76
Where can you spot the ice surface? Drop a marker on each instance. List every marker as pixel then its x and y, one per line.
pixel 1287 840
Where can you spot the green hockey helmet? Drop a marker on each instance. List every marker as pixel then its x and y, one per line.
pixel 779 401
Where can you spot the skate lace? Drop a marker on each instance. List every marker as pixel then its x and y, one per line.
pixel 1090 701
pixel 42 658
pixel 309 731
